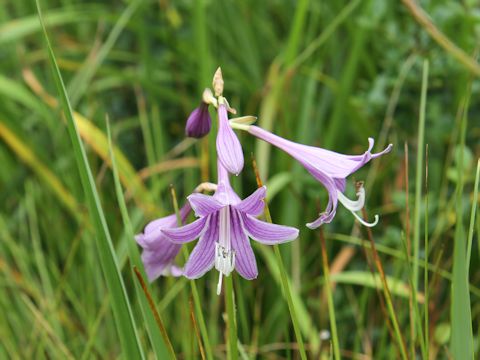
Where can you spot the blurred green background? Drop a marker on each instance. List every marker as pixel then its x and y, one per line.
pixel 323 73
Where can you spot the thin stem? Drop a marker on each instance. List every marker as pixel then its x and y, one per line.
pixel 472 217
pixel 231 318
pixel 386 290
pixel 426 331
pixel 328 290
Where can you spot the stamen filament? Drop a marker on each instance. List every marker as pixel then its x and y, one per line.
pixel 356 205
pixel 224 255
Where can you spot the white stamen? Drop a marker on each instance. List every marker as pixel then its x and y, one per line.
pixel 224 255
pixel 353 205
pixel 356 205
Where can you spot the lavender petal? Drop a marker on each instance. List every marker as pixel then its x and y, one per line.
pixel 266 233
pixel 202 257
pixel 157 260
pixel 245 262
pixel 229 148
pixel 253 205
pixel 204 205
pixel 188 232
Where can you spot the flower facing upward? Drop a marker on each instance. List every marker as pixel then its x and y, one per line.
pixel 328 167
pixel 158 253
pixel 224 225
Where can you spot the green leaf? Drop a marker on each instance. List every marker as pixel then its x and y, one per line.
pixel 162 346
pixel 122 312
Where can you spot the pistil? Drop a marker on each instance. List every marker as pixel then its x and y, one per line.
pixel 224 255
pixel 356 205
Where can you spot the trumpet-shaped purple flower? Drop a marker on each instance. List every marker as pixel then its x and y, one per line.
pixel 224 224
pixel 328 167
pixel 158 253
pixel 229 149
pixel 199 122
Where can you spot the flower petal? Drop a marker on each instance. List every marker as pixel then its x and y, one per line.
pixel 329 213
pixel 228 146
pixel 245 262
pixel 165 222
pixel 157 260
pixel 188 232
pixel 152 232
pixel 202 257
pixel 266 233
pixel 204 205
pixel 253 205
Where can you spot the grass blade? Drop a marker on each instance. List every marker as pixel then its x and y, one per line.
pixel 232 318
pixel 328 290
pixel 461 314
pixel 472 217
pixel 159 340
pixel 120 304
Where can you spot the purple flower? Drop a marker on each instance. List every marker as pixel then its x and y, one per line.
pixel 199 122
pixel 158 253
pixel 328 167
pixel 224 225
pixel 229 149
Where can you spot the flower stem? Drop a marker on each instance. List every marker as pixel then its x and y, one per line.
pixel 231 318
pixel 328 290
pixel 193 287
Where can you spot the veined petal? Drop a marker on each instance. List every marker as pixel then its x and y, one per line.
pixel 228 146
pixel 225 194
pixel 204 205
pixel 329 213
pixel 202 257
pixel 165 222
pixel 333 164
pixel 324 218
pixel 266 233
pixel 159 259
pixel 152 232
pixel 245 262
pixel 253 205
pixel 188 232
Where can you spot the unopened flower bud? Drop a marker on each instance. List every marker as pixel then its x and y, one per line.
pixel 217 82
pixel 199 122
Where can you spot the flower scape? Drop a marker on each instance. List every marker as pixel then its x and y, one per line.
pixel 225 223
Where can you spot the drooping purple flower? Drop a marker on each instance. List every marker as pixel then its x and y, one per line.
pixel 224 224
pixel 328 167
pixel 229 149
pixel 158 253
pixel 199 122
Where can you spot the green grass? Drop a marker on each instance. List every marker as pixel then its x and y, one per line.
pixel 74 191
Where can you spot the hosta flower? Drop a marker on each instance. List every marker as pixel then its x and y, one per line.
pixel 224 225
pixel 328 167
pixel 158 253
